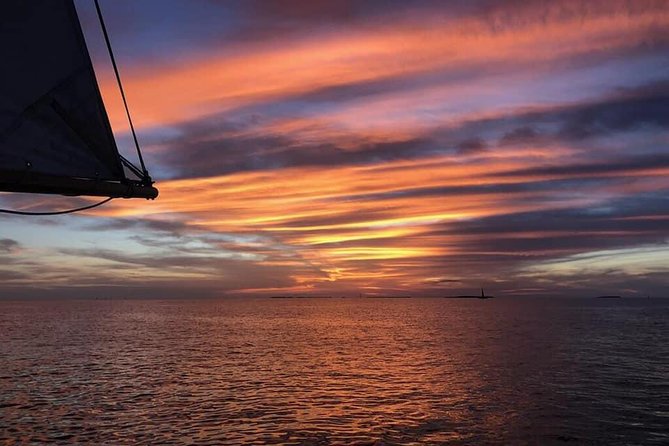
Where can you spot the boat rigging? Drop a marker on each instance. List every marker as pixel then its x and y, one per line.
pixel 55 135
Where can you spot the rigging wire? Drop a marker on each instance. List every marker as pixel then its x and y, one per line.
pixel 68 211
pixel 120 87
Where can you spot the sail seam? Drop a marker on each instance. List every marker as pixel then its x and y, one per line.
pixel 16 122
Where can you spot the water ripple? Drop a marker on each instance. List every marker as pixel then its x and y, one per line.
pixel 325 372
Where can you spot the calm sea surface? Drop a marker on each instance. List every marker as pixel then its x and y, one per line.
pixel 335 371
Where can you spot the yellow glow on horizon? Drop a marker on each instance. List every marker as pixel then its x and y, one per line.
pixel 380 253
pixel 324 239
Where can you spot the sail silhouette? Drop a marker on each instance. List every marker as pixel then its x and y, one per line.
pixel 55 135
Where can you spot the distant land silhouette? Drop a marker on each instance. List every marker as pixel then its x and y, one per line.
pixel 608 297
pixel 470 296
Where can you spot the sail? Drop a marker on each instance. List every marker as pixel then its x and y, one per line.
pixel 55 135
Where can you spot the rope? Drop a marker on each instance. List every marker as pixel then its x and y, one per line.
pixel 68 211
pixel 120 87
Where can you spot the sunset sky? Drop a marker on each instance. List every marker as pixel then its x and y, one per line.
pixel 349 147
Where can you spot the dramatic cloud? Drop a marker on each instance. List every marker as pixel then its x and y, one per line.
pixel 376 147
pixel 212 145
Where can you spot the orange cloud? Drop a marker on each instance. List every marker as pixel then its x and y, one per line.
pixel 390 221
pixel 218 82
pixel 336 219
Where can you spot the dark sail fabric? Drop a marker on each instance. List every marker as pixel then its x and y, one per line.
pixel 52 119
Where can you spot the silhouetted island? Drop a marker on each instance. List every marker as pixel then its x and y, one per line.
pixel 608 297
pixel 470 296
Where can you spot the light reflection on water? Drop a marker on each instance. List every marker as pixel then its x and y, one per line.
pixel 335 371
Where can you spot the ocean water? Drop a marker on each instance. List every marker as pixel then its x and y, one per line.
pixel 335 371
